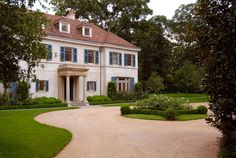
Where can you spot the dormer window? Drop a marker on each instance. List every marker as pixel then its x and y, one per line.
pixel 64 27
pixel 87 31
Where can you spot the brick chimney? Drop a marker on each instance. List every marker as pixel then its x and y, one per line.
pixel 71 15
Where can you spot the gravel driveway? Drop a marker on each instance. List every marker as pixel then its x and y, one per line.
pixel 100 132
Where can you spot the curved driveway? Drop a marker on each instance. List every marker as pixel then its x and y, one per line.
pixel 100 132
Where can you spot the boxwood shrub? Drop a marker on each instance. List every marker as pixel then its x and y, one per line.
pixel 125 110
pixel 98 98
pixel 202 109
pixel 170 114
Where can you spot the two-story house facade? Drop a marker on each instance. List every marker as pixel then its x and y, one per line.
pixel 82 59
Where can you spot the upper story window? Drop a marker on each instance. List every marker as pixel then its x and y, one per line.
pixel 87 31
pixel 115 58
pixel 64 27
pixel 130 60
pixel 68 54
pixel 91 56
pixel 49 54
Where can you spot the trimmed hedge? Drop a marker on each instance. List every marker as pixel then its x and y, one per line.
pixel 159 112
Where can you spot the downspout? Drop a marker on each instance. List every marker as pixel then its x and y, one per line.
pixel 100 50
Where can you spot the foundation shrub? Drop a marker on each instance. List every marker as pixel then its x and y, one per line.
pixel 125 96
pixel 44 100
pixel 98 98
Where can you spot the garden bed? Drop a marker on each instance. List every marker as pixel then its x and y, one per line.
pixel 160 106
pixel 183 117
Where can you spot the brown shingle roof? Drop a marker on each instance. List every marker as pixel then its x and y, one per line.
pixel 98 35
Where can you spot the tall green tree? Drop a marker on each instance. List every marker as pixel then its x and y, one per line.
pixel 155 47
pixel 216 38
pixel 20 39
pixel 182 27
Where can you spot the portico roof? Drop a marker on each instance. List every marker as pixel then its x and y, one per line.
pixel 72 70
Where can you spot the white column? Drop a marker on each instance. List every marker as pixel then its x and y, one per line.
pixel 84 91
pixel 67 89
pixel 77 89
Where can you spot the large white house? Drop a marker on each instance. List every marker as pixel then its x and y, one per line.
pixel 82 59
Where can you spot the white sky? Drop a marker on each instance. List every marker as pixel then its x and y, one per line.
pixel 159 7
pixel 167 7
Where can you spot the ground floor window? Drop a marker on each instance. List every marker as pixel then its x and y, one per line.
pixel 123 84
pixel 42 85
pixel 91 86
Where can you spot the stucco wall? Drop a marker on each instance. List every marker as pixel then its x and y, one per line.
pixel 47 70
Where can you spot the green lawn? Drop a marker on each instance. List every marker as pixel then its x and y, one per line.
pixel 184 117
pixel 22 137
pixel 144 116
pixel 193 98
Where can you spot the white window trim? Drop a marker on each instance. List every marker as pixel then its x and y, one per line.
pixel 60 27
pixel 127 84
pixel 93 87
pixel 90 31
pixel 118 58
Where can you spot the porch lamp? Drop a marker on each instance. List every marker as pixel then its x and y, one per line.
pixel 100 51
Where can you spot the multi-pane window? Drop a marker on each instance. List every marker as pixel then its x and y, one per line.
pixel 87 31
pixel 115 58
pixel 68 54
pixel 91 56
pixel 64 27
pixel 129 60
pixel 122 84
pixel 42 85
pixel 49 54
pixel 91 86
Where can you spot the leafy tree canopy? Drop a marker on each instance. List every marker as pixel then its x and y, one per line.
pixel 20 39
pixel 216 38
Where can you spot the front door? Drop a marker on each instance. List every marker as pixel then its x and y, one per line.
pixel 71 88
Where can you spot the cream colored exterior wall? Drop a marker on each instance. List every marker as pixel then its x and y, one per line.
pixel 48 70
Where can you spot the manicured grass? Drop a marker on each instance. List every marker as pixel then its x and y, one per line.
pixel 144 116
pixel 192 98
pixel 184 117
pixel 22 137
